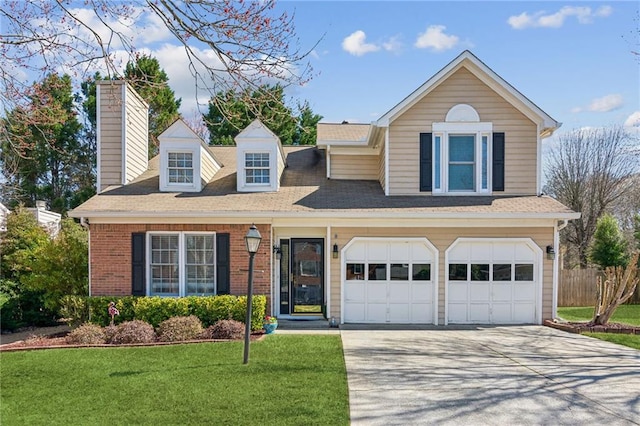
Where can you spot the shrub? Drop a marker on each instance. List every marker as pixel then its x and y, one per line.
pixel 179 329
pixel 74 310
pixel 87 334
pixel 135 331
pixel 109 332
pixel 226 329
pixel 154 310
pixel 99 309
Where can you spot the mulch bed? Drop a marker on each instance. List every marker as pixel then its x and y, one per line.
pixel 585 327
pixel 58 341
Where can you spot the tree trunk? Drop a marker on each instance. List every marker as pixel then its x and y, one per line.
pixel 617 287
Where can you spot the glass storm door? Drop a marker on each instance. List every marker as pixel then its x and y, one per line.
pixel 307 276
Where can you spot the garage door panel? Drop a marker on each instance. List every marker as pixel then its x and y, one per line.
pixel 399 252
pixel 354 312
pixel 422 313
pixel 524 292
pixel 458 313
pixel 376 312
pixel 354 292
pixel 399 313
pixel 501 313
pixel 399 292
pixel 377 252
pixel 357 251
pixel 479 312
pixel 377 291
pixel 422 292
pixel 458 292
pixel 502 292
pixel 421 252
pixel 479 292
pixel 523 312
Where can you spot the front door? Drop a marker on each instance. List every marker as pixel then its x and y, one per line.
pixel 307 276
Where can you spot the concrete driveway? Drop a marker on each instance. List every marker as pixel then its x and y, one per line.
pixel 527 375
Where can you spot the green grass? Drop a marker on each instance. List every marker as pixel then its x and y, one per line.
pixel 631 340
pixel 625 314
pixel 290 380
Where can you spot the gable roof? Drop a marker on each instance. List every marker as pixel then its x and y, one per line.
pixel 336 133
pixel 478 68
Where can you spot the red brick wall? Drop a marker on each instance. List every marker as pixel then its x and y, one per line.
pixel 111 256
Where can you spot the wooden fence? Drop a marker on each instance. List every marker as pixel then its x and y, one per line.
pixel 577 287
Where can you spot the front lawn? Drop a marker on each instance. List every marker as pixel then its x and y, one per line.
pixel 631 340
pixel 290 380
pixel 625 314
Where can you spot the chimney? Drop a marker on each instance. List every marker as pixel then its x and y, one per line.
pixel 122 134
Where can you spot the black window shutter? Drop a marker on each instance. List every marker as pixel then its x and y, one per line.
pixel 498 162
pixel 426 162
pixel 138 259
pixel 223 270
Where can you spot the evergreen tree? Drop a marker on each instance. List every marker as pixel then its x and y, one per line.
pixel 307 122
pixel 609 247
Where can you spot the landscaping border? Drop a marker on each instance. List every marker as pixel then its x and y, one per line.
pixel 579 328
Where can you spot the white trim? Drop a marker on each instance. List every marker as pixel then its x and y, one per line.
pixel 538 161
pixel 386 162
pixel 98 139
pixel 462 113
pixel 538 270
pixel 123 123
pixel 328 162
pixel 178 148
pixel 328 257
pixel 434 266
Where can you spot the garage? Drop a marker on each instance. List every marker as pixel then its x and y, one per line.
pixel 389 280
pixel 493 281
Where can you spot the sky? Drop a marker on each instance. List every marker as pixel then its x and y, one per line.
pixel 572 59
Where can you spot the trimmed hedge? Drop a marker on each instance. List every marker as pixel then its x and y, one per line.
pixel 154 310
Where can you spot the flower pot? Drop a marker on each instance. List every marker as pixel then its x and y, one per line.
pixel 270 328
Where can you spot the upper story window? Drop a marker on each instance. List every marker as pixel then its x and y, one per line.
pixel 458 157
pixel 257 168
pixel 180 167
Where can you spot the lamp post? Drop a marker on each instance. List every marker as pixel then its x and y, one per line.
pixel 252 240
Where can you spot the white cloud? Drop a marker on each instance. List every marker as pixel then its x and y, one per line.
pixel 435 38
pixel 356 44
pixel 393 44
pixel 633 120
pixel 583 14
pixel 606 103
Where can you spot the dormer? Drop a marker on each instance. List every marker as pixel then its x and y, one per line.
pixel 186 165
pixel 260 159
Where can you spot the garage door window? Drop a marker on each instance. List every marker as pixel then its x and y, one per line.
pixel 421 272
pixel 457 272
pixel 355 271
pixel 524 272
pixel 399 272
pixel 377 271
pixel 501 272
pixel 480 272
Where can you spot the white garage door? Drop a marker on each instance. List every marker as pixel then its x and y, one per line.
pixel 389 281
pixel 493 282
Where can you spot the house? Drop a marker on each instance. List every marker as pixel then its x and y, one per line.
pixel 48 220
pixel 432 214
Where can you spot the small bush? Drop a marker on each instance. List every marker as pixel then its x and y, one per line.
pixel 87 334
pixel 154 310
pixel 99 309
pixel 135 331
pixel 74 310
pixel 226 329
pixel 109 332
pixel 178 329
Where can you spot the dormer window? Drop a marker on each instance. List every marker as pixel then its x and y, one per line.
pixel 180 167
pixel 257 168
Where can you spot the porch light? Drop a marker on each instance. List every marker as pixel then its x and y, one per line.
pixel 335 251
pixel 551 253
pixel 252 240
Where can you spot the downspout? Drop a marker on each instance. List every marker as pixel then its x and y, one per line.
pixel 329 258
pixel 85 224
pixel 556 265
pixel 328 161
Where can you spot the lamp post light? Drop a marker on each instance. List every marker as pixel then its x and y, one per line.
pixel 252 240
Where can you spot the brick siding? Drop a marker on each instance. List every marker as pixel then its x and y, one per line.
pixel 111 256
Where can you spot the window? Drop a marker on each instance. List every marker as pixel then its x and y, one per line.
pixel 182 264
pixel 256 166
pixel 462 162
pixel 180 167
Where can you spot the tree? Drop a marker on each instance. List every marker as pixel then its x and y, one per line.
pixel 53 163
pixel 609 246
pixel 226 44
pixel 151 82
pixel 616 288
pixel 307 122
pixel 588 170
pixel 230 113
pixel 60 266
pixel 18 248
